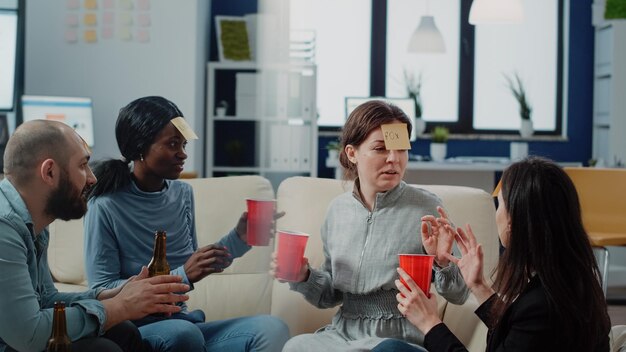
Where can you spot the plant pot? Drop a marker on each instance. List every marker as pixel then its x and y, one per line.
pixel 420 126
pixel 526 128
pixel 438 151
pixel 333 154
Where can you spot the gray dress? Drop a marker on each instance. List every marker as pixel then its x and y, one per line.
pixel 361 256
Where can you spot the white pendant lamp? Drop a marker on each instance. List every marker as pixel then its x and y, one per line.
pixel 426 38
pixel 496 12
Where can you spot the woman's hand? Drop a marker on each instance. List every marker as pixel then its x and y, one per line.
pixel 438 236
pixel 471 263
pixel 242 225
pixel 415 306
pixel 303 274
pixel 206 261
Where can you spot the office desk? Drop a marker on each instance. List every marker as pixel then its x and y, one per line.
pixel 478 173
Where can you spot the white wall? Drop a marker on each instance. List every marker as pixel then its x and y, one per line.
pixel 114 72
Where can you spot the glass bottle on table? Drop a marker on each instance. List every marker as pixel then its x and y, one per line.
pixel 158 265
pixel 59 341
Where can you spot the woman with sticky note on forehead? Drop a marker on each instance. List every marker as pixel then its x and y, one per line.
pixel 363 233
pixel 130 203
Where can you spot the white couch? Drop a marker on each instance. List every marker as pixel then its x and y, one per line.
pixel 245 288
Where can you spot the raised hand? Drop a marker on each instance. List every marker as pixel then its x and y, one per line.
pixel 414 305
pixel 438 236
pixel 242 225
pixel 206 261
pixel 302 276
pixel 471 263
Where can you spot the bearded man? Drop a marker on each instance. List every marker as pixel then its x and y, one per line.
pixel 47 177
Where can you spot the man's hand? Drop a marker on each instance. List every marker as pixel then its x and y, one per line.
pixel 143 296
pixel 242 225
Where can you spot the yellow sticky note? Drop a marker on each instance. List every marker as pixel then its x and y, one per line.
pixel 497 189
pixel 90 36
pixel 90 19
pixel 183 127
pixel 396 136
pixel 91 4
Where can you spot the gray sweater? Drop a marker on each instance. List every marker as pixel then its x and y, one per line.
pixel 361 256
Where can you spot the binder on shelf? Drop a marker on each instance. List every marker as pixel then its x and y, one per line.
pixel 307 97
pixel 304 141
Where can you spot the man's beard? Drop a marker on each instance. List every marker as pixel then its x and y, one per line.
pixel 66 202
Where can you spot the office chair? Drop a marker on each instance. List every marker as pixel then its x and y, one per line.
pixel 602 195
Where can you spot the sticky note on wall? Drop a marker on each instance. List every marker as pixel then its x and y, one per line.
pixel 90 19
pixel 90 36
pixel 91 4
pixel 396 136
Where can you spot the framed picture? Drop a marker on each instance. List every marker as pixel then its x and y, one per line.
pixel 232 38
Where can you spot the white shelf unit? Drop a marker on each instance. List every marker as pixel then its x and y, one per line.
pixel 276 136
pixel 609 103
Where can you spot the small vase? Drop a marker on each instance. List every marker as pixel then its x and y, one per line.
pixel 526 128
pixel 438 151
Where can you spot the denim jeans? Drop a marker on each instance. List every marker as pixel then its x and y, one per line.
pixel 393 345
pixel 257 333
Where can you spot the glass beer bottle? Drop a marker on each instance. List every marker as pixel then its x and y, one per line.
pixel 158 265
pixel 59 341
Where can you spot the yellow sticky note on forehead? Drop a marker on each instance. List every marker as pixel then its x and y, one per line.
pixel 497 189
pixel 396 136
pixel 183 127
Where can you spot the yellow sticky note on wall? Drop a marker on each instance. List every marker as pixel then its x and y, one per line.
pixel 89 19
pixel 91 4
pixel 90 36
pixel 396 136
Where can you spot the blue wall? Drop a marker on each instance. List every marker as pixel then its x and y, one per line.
pixel 579 101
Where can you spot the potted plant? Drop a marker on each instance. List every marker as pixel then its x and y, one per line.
pixel 333 149
pixel 413 88
pixel 222 108
pixel 517 88
pixel 438 146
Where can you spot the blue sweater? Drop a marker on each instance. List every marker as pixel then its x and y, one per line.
pixel 120 227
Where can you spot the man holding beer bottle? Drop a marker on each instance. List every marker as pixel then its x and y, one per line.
pixel 47 177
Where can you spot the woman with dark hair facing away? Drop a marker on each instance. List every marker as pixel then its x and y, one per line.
pixel 547 294
pixel 363 233
pixel 129 204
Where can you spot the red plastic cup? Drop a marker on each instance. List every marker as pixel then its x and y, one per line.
pixel 420 269
pixel 290 254
pixel 260 221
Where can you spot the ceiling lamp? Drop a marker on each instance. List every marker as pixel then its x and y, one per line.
pixel 427 38
pixel 496 12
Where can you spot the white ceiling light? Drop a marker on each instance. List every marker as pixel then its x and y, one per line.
pixel 426 38
pixel 496 12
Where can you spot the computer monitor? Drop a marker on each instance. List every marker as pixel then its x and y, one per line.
pixel 8 54
pixel 75 112
pixel 406 104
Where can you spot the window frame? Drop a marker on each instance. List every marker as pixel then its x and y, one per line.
pixel 464 124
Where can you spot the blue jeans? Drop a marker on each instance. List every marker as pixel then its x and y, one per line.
pixel 256 333
pixel 393 345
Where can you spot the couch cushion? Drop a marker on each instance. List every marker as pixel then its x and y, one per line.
pixel 245 287
pixel 65 252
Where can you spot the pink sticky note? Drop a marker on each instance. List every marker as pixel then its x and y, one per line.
pixel 143 36
pixel 107 32
pixel 108 17
pixel 72 4
pixel 143 19
pixel 143 5
pixel 108 4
